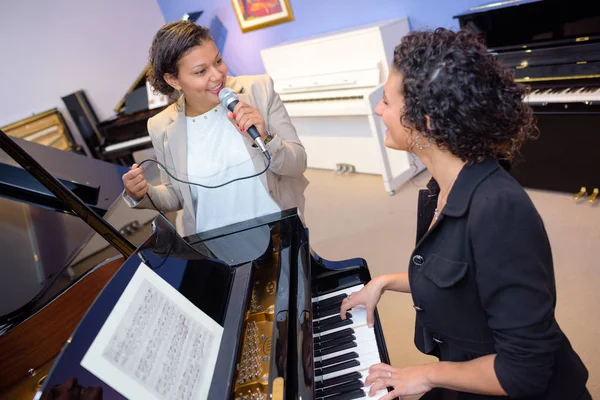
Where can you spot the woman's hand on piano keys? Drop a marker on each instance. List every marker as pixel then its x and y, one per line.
pixel 135 183
pixel 368 297
pixel 406 381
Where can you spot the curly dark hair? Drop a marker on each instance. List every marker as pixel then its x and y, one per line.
pixel 173 41
pixel 475 107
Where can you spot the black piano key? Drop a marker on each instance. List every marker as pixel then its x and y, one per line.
pixel 336 343
pixel 335 360
pixel 326 313
pixel 337 367
pixel 335 325
pixel 331 300
pixel 356 394
pixel 335 335
pixel 339 389
pixel 326 305
pixel 333 306
pixel 335 349
pixel 328 321
pixel 329 343
pixel 338 380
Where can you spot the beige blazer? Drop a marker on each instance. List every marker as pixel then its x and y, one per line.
pixel 284 180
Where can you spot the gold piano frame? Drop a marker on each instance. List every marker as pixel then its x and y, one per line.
pixel 47 128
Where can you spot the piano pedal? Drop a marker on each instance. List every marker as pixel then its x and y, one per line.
pixel 345 169
pixel 582 192
pixel 594 197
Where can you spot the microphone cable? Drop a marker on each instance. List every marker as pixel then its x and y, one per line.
pixel 191 183
pixel 198 184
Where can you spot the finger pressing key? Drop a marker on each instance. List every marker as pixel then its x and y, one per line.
pixel 346 305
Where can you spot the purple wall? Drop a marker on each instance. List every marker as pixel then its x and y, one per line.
pixel 312 17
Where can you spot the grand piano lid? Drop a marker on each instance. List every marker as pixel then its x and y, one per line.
pixel 141 79
pixel 97 183
pixel 46 248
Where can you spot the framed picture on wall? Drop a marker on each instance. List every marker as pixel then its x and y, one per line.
pixel 257 14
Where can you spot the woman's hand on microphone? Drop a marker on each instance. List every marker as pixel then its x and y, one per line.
pixel 244 116
pixel 135 183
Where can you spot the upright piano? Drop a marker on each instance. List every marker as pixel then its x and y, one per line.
pixel 330 85
pixel 554 47
pixel 277 301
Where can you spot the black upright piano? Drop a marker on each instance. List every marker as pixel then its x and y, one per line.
pixel 276 299
pixel 554 47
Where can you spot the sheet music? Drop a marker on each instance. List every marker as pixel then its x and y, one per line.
pixel 155 344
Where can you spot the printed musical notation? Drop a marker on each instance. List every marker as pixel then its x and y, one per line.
pixel 161 343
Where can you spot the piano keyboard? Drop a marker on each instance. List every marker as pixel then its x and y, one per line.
pixel 579 94
pixel 343 350
pixel 127 144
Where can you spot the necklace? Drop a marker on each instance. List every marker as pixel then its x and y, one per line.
pixel 436 212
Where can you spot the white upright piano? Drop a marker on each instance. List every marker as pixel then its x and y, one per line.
pixel 330 86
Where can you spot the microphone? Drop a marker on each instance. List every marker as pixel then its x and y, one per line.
pixel 229 100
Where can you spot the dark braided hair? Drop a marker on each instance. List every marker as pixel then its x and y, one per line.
pixel 475 107
pixel 173 41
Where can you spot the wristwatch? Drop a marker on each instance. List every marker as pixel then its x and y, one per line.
pixel 269 137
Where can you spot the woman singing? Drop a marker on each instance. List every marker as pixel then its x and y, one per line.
pixel 200 141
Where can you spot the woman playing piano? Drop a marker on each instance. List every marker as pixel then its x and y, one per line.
pixel 481 275
pixel 198 140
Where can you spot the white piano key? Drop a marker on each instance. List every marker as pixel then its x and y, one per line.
pixel 364 366
pixel 362 338
pixel 365 351
pixel 379 394
pixel 359 313
pixel 362 335
pixel 575 95
pixel 376 396
pixel 349 290
pixel 127 143
pixel 359 319
pixel 353 326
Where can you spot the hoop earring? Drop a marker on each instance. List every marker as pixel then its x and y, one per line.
pixel 418 146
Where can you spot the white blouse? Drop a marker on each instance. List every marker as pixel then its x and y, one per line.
pixel 217 154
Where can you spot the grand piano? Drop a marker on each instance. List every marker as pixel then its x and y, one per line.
pixel 127 131
pixel 554 47
pixel 276 300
